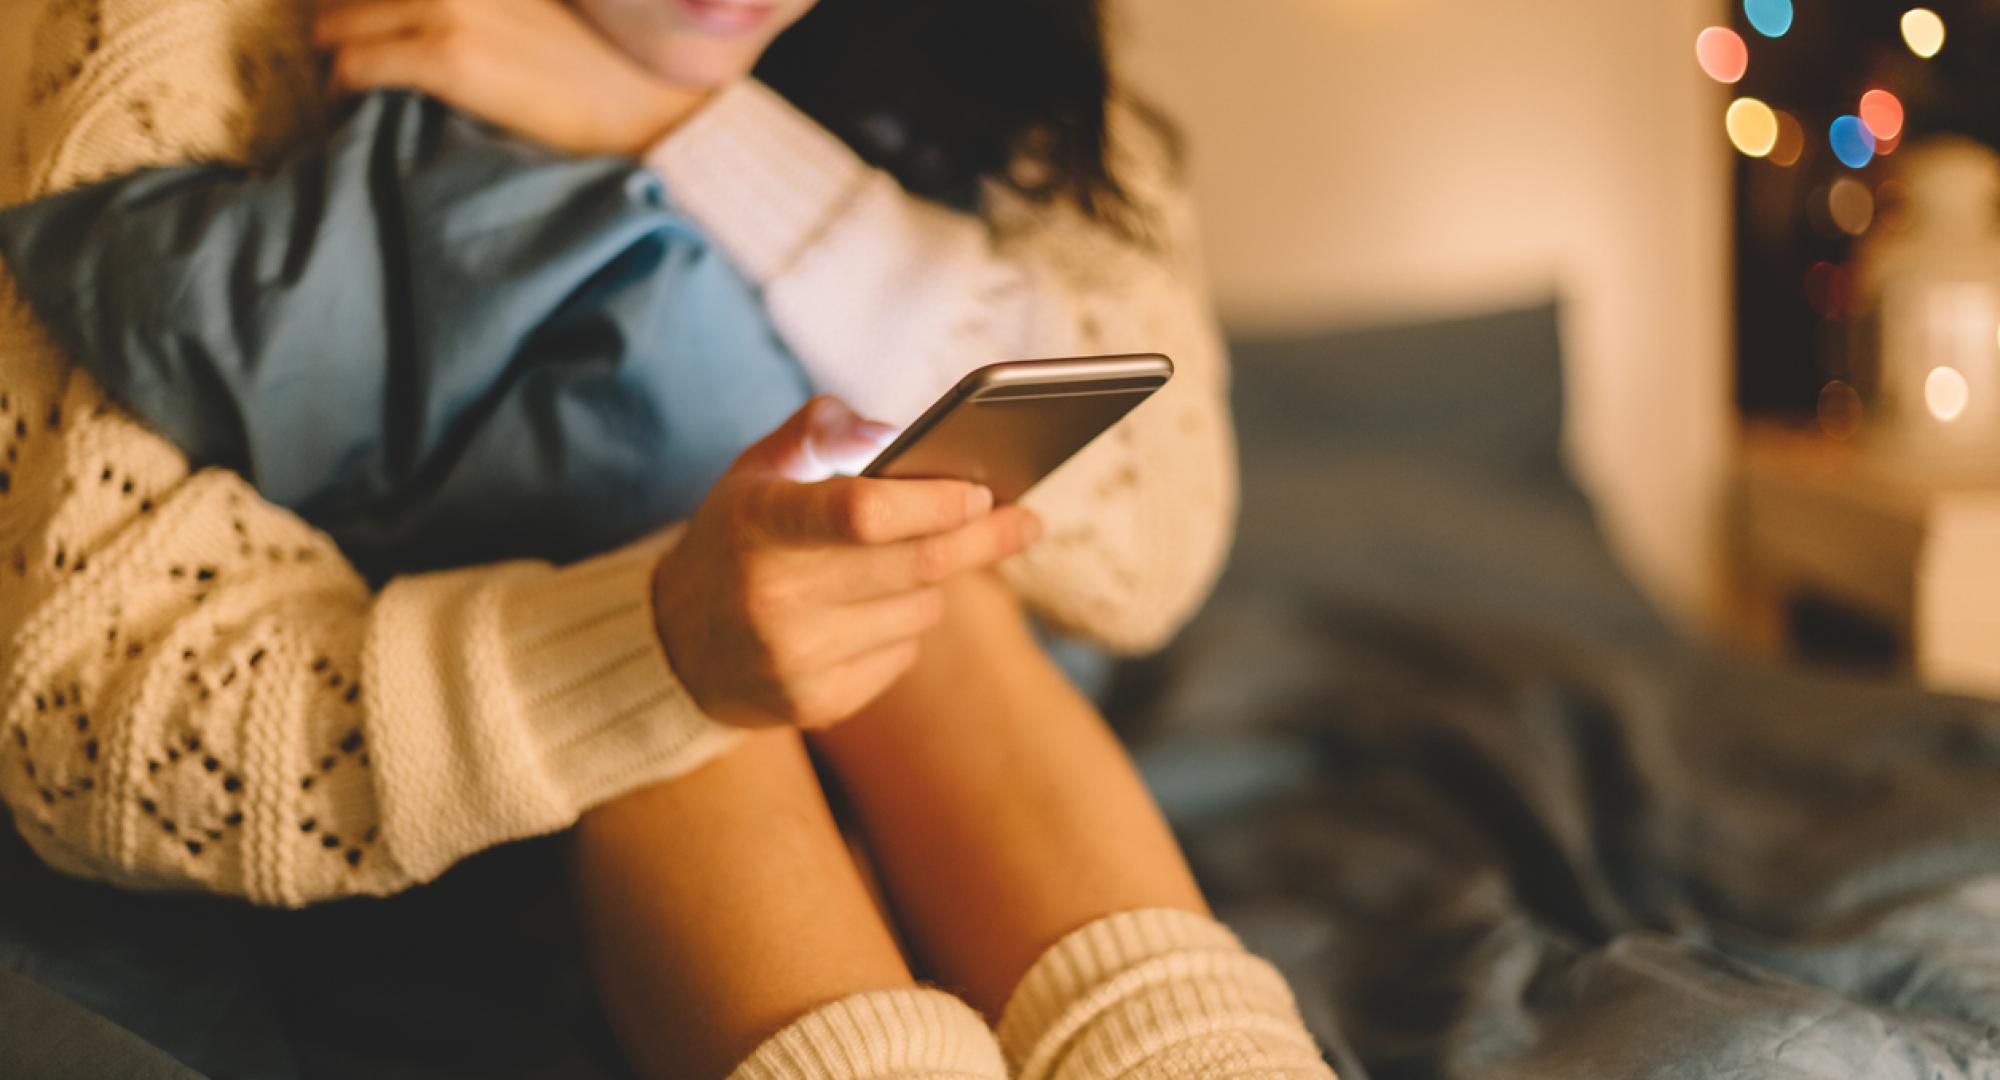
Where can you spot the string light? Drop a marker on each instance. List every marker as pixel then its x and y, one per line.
pixel 1771 18
pixel 1845 204
pixel 1722 54
pixel 1752 127
pixel 1946 393
pixel 1882 111
pixel 1851 205
pixel 1852 142
pixel 1923 32
pixel 1791 144
pixel 1892 205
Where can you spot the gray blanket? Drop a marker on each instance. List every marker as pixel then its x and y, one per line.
pixel 1430 748
pixel 1482 852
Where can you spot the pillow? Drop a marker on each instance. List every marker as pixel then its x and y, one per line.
pixel 1481 392
pixel 1418 469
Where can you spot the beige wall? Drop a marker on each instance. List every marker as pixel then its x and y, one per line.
pixel 1367 159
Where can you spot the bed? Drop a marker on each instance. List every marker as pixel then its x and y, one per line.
pixel 1429 750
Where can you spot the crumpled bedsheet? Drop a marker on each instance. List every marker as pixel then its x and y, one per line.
pixel 1482 850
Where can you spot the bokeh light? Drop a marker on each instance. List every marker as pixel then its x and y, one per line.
pixel 1852 142
pixel 1851 205
pixel 1752 126
pixel 1722 54
pixel 1946 393
pixel 1839 410
pixel 1770 18
pixel 1923 32
pixel 1826 290
pixel 1882 111
pixel 1892 206
pixel 1791 144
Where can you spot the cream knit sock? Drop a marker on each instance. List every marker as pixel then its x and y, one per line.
pixel 1156 994
pixel 909 1034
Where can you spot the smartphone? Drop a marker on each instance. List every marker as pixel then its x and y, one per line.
pixel 1007 425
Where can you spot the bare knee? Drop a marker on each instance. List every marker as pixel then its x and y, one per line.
pixel 718 906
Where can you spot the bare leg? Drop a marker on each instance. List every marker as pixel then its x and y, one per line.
pixel 1001 812
pixel 720 906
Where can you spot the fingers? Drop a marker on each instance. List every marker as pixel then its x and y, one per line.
pixel 837 634
pixel 426 45
pixel 847 445
pixel 785 450
pixel 849 510
pixel 844 689
pixel 818 666
pixel 872 538
pixel 870 625
pixel 926 561
pixel 822 438
pixel 351 22
pixel 409 63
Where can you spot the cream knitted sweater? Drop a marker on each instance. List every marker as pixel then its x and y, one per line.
pixel 197 691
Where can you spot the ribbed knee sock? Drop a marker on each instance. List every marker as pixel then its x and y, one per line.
pixel 905 1034
pixel 1155 994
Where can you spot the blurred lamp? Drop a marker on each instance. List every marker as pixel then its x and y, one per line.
pixel 1934 292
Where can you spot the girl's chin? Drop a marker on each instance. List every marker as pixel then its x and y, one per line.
pixel 701 65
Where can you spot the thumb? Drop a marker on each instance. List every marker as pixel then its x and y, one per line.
pixel 823 438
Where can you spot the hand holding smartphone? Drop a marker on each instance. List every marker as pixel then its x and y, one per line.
pixel 1008 425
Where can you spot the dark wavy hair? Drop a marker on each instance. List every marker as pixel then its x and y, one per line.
pixel 946 93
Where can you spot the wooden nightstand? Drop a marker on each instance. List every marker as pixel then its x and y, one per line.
pixel 1817 519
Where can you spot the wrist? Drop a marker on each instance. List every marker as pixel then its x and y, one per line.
pixel 661 108
pixel 659 604
pixel 683 652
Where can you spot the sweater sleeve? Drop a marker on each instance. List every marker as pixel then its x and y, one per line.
pixel 887 299
pixel 441 344
pixel 196 690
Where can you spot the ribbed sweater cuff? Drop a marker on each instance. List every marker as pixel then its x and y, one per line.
pixel 597 694
pixel 908 1034
pixel 550 691
pixel 1129 986
pixel 762 177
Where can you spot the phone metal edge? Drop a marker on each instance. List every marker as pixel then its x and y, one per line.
pixel 1006 373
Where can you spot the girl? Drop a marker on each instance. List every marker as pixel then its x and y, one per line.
pixel 177 648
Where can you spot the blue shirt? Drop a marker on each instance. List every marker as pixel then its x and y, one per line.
pixel 440 344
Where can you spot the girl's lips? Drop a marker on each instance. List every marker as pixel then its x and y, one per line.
pixel 728 16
